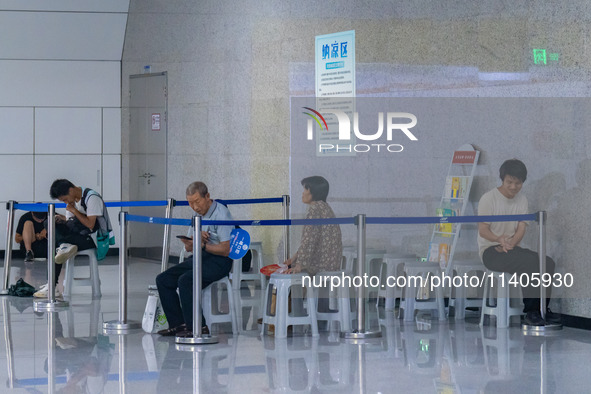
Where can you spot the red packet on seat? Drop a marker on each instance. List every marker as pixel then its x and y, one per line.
pixel 269 269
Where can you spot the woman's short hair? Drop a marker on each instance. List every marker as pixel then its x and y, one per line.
pixel 60 188
pixel 318 187
pixel 513 167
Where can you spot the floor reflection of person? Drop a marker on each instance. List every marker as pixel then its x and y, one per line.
pixel 85 361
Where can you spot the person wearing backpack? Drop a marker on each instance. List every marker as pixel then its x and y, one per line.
pixel 85 225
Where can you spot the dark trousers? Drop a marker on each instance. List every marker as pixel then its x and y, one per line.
pixel 65 236
pixel 520 261
pixel 178 308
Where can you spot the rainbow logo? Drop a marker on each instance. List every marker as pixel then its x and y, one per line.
pixel 315 118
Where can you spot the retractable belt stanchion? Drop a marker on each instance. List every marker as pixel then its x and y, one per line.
pixel 286 201
pixel 360 332
pixel 198 338
pixel 8 251
pixel 166 242
pixel 539 330
pixel 50 304
pixel 122 325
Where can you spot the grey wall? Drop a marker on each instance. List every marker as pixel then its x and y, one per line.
pixel 233 66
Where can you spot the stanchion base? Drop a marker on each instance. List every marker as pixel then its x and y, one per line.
pixel 191 348
pixel 49 306
pixel 119 327
pixel 202 340
pixel 361 335
pixel 548 329
pixel 3 292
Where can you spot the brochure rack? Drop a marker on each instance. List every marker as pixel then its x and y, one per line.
pixel 453 203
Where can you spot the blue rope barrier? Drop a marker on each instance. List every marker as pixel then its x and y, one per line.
pixel 241 201
pixel 452 219
pixel 42 207
pixel 121 204
pixel 351 220
pixel 37 207
pixel 157 220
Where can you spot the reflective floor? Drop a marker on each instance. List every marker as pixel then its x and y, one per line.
pixel 67 351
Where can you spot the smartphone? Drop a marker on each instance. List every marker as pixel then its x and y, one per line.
pixel 183 237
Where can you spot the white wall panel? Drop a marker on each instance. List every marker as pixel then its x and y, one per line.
pixel 81 170
pixel 16 130
pixel 112 130
pixel 3 215
pixel 68 130
pixel 74 36
pixel 114 217
pixel 17 184
pixel 16 178
pixel 112 177
pixel 66 5
pixel 49 83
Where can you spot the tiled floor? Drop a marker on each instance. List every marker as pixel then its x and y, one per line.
pixel 67 351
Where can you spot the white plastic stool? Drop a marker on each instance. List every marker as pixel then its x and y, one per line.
pixel 255 305
pixel 410 304
pixel 93 279
pixel 348 259
pixel 211 304
pixel 338 305
pixel 282 318
pixel 461 301
pixel 392 265
pixel 423 344
pixel 503 352
pixel 373 262
pixel 77 314
pixel 292 366
pixel 254 274
pixel 503 309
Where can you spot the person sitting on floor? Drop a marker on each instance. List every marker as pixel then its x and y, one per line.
pixel 31 234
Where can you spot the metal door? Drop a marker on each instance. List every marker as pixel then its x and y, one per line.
pixel 148 107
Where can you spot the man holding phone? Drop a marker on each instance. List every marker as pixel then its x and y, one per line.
pixel 215 245
pixel 86 215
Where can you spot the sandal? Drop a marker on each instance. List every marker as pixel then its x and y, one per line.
pixel 169 332
pixel 189 333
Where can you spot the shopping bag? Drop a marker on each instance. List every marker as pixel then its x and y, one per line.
pixel 154 319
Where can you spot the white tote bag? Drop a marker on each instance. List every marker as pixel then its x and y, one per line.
pixel 154 319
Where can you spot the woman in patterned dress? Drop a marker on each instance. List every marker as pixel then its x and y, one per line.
pixel 321 247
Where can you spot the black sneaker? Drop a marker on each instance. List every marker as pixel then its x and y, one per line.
pixel 534 319
pixel 553 318
pixel 29 257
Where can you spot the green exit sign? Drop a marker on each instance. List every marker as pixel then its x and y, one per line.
pixel 541 56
